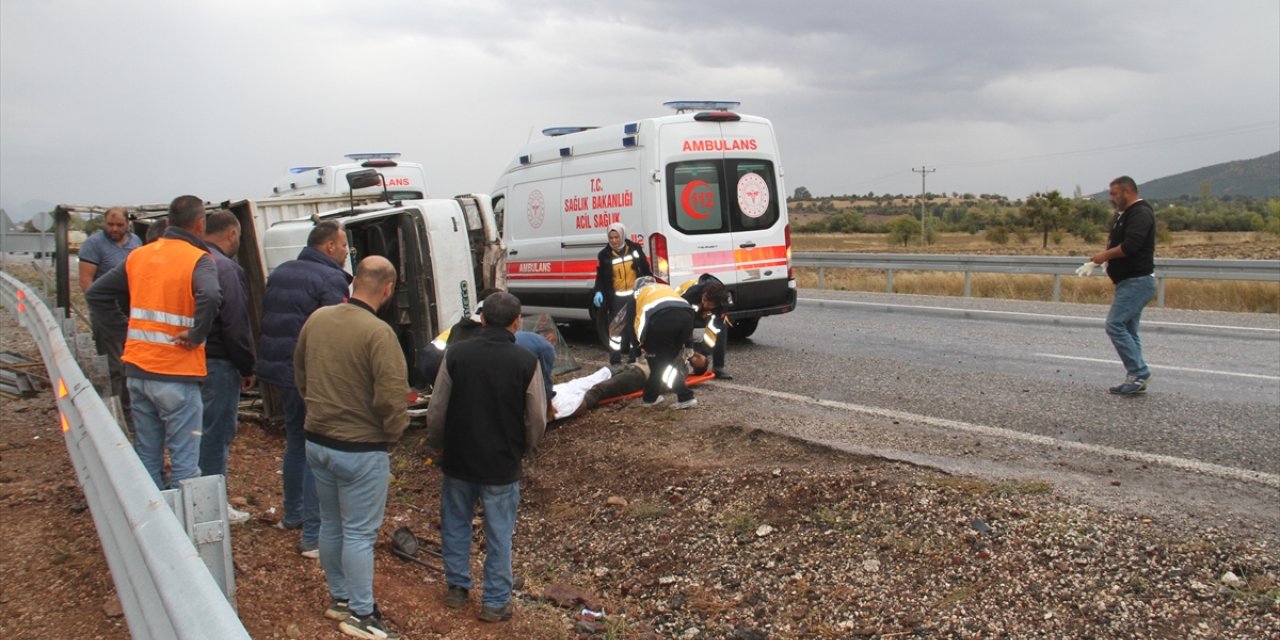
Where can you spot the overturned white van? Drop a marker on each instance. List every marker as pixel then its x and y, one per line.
pixel 701 190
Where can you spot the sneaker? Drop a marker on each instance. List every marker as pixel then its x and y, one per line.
pixel 685 404
pixel 338 609
pixel 721 374
pixel 289 526
pixel 647 403
pixel 1132 385
pixel 455 597
pixel 370 627
pixel 236 516
pixel 309 550
pixel 495 614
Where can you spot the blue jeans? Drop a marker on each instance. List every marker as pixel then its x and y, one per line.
pixel 352 487
pixel 167 415
pixel 457 507
pixel 1132 295
pixel 221 394
pixel 299 483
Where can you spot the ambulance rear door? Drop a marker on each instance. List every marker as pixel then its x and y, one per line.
pixel 692 214
pixel 532 214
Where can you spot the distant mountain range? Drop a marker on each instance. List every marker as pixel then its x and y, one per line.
pixel 1256 178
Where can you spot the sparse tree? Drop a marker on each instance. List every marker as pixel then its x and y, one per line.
pixel 903 229
pixel 1046 212
pixel 802 193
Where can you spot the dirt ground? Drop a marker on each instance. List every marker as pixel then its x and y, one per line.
pixel 677 525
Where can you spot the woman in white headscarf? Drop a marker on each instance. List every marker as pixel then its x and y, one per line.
pixel 619 263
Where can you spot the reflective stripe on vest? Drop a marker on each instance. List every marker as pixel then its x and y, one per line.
pixel 649 300
pixel 186 322
pixel 624 274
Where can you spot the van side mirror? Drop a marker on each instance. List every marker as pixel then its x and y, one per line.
pixel 363 179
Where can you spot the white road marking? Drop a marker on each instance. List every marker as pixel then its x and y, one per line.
pixel 1165 366
pixel 1026 314
pixel 1181 464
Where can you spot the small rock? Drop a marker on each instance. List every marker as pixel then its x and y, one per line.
pixel 703 505
pixel 980 526
pixel 111 608
pixel 1232 580
pixel 616 501
pixel 763 530
pixel 871 566
pixel 600 572
pixel 777 473
pixel 293 631
pixel 691 633
pixel 586 627
pixel 568 596
pixel 667 580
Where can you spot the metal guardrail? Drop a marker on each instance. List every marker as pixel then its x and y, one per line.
pixel 27 242
pixel 164 583
pixel 1057 266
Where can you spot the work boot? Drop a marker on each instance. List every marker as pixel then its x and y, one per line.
pixel 722 374
pixel 455 597
pixel 495 614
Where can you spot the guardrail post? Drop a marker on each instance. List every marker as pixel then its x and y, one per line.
pixel 822 278
pixel 1159 292
pixel 968 284
pixel 1057 288
pixel 888 287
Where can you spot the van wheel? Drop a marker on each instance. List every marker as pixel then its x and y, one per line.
pixel 742 329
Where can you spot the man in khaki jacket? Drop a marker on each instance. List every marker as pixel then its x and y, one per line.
pixel 351 373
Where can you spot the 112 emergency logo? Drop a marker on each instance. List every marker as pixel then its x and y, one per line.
pixel 753 195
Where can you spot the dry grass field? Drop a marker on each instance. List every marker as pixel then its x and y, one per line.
pixel 1179 294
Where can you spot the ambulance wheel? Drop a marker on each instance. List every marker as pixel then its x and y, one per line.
pixel 742 329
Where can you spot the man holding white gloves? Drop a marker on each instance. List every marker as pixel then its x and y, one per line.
pixel 1130 263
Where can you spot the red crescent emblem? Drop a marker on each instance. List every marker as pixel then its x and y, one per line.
pixel 688 206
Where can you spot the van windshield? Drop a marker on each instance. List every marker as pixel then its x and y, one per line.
pixel 701 200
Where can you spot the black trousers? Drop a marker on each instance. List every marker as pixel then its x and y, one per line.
pixel 666 334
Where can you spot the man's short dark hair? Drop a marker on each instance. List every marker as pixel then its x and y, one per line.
pixel 1127 183
pixel 715 292
pixel 220 221
pixel 184 211
pixel 500 309
pixel 324 231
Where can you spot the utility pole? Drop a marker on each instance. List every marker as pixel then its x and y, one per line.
pixel 923 172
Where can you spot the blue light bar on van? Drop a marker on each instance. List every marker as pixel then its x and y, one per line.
pixel 565 152
pixel 629 141
pixel 302 169
pixel 631 128
pixel 684 106
pixel 552 132
pixel 524 159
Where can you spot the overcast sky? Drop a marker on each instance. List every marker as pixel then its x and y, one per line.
pixel 133 102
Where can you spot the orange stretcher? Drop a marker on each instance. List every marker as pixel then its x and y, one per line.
pixel 688 381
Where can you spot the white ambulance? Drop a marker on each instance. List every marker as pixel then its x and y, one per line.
pixel 402 180
pixel 700 190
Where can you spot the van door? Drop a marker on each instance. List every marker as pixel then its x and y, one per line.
pixel 532 219
pixel 400 236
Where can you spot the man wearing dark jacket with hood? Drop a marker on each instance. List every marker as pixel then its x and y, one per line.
pixel 294 291
pixel 618 265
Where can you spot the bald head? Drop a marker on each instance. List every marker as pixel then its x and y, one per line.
pixel 374 281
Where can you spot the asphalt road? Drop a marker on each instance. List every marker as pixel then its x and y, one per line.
pixel 1019 389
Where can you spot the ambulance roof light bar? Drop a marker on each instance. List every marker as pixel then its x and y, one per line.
pixel 552 132
pixel 685 106
pixel 386 155
pixel 302 169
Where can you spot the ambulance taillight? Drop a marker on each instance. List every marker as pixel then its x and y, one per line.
pixel 658 255
pixel 787 234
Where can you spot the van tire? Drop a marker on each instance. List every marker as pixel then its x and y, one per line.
pixel 742 329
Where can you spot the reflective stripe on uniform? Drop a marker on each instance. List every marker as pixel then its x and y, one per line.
pixel 625 293
pixel 627 258
pixel 156 337
pixel 152 315
pixel 669 376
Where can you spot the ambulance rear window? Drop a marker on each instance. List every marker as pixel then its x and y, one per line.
pixel 695 196
pixel 717 196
